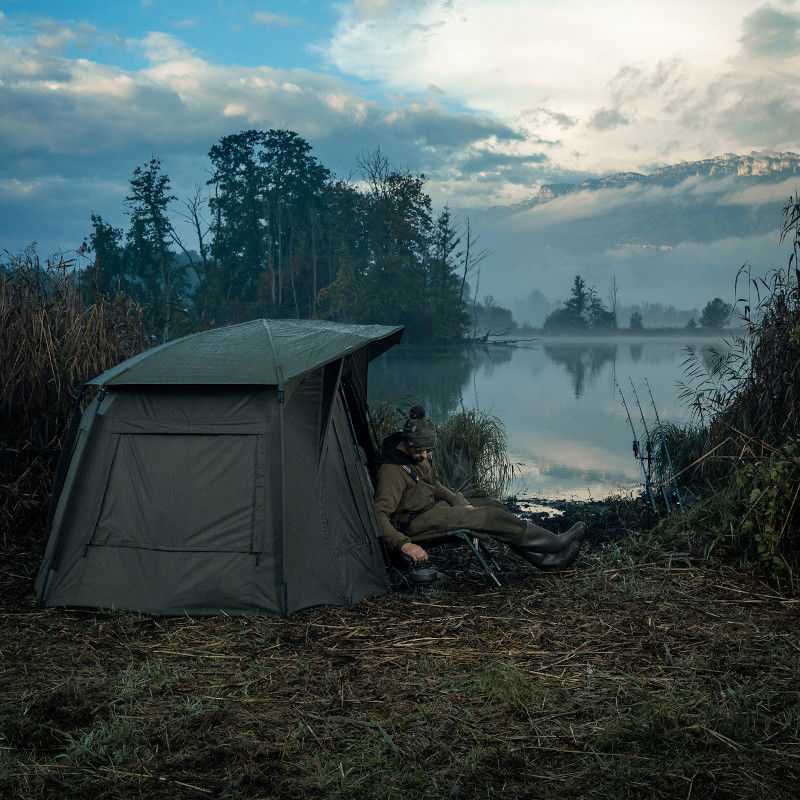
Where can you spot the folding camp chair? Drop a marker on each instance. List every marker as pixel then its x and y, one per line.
pixel 455 536
pixel 473 542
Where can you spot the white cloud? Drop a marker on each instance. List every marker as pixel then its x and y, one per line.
pixel 614 85
pixel 769 32
pixel 772 193
pixel 79 120
pixel 180 100
pixel 582 205
pixel 235 110
pixel 374 8
pixel 13 187
pixel 54 37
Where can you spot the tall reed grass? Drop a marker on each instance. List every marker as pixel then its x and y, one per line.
pixel 743 458
pixel 472 454
pixel 51 342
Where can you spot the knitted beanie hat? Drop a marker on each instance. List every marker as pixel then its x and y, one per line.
pixel 419 431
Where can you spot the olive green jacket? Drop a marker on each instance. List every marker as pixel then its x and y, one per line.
pixel 399 498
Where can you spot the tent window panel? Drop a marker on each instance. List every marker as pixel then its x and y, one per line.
pixel 181 492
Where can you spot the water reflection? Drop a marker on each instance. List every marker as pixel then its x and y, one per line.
pixel 435 377
pixel 566 427
pixel 583 362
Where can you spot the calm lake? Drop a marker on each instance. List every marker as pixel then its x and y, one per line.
pixel 566 426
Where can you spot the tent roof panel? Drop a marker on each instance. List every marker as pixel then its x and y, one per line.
pixel 262 351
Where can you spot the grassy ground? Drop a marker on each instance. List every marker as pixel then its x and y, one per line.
pixel 639 673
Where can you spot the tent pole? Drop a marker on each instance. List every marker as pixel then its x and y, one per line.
pixel 280 534
pixel 52 554
pixel 282 588
pixel 363 385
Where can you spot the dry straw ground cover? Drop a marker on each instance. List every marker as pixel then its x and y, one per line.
pixel 639 673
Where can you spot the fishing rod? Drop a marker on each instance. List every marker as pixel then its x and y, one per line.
pixel 665 450
pixel 636 451
pixel 662 486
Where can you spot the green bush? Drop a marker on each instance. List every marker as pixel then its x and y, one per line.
pixel 768 531
pixel 752 511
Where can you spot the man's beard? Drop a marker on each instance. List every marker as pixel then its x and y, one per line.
pixel 417 459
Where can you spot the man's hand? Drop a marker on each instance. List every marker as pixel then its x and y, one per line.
pixel 468 506
pixel 414 552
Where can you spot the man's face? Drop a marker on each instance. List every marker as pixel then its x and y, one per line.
pixel 417 456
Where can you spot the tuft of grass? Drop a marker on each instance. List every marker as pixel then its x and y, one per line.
pixel 387 417
pixel 472 454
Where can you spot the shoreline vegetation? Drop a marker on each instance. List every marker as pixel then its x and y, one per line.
pixel 525 336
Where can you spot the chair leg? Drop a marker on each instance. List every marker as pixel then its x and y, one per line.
pixel 486 568
pixel 488 553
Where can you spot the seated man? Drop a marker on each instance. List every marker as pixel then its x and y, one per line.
pixel 409 501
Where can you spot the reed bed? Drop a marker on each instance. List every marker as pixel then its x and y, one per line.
pixel 742 456
pixel 648 676
pixel 51 342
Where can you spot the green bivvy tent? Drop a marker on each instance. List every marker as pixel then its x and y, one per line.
pixel 223 472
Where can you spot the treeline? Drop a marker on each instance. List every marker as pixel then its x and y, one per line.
pixel 584 310
pixel 276 234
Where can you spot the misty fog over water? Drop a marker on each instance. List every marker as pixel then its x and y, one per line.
pixel 566 426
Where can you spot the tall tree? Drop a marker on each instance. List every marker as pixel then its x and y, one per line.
pixel 269 218
pixel 239 226
pixel 346 254
pixel 294 192
pixel 579 298
pixel 450 317
pixel 107 271
pixel 716 313
pixel 397 227
pixel 150 260
pixel 582 309
pixel 596 313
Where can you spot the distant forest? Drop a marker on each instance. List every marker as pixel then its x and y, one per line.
pixel 584 310
pixel 276 234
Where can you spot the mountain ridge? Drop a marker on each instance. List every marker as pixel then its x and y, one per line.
pixel 757 164
pixel 660 235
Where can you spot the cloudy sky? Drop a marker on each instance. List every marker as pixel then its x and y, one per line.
pixel 489 99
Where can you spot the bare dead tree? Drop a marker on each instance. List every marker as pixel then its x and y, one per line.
pixel 612 296
pixel 472 258
pixel 192 213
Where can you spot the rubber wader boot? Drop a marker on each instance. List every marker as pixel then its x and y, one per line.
pixel 551 562
pixel 543 541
